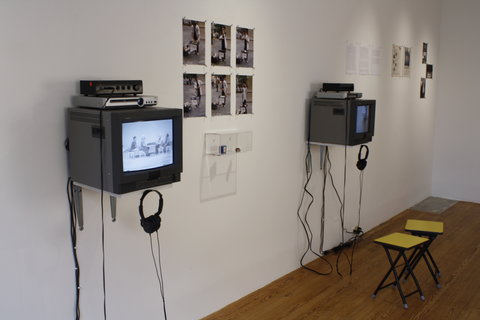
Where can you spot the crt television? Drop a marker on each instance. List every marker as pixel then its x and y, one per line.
pixel 141 147
pixel 341 121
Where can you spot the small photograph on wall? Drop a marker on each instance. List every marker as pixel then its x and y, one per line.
pixel 243 97
pixel 424 53
pixel 220 95
pixel 429 71
pixel 422 88
pixel 244 53
pixel 221 40
pixel 193 95
pixel 397 63
pixel 406 61
pixel 193 42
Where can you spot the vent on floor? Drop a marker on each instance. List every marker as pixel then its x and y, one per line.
pixel 434 205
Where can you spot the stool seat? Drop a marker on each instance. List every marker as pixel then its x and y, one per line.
pixel 400 242
pixel 424 226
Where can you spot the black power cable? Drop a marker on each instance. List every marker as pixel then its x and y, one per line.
pixel 102 133
pixel 304 220
pixel 73 237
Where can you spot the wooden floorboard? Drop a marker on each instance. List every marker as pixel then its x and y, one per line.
pixel 302 294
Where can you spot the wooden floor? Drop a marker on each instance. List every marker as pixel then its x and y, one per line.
pixel 304 295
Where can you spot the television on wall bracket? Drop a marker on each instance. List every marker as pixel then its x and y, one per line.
pixel 341 121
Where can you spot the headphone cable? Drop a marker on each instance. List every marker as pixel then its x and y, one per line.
pixel 158 270
pixel 102 215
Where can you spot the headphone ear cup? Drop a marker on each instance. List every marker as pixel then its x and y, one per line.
pixel 151 224
pixel 361 164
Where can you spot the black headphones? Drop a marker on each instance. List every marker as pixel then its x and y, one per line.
pixel 362 162
pixel 152 223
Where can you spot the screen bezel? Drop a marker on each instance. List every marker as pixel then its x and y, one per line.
pixel 362 137
pixel 145 114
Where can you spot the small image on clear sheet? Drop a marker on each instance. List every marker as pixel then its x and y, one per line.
pixel 397 62
pixel 220 95
pixel 422 88
pixel 424 53
pixel 429 71
pixel 193 95
pixel 406 62
pixel 193 42
pixel 221 45
pixel 244 101
pixel 245 50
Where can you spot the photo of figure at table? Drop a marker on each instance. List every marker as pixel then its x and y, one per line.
pixel 220 95
pixel 193 42
pixel 244 101
pixel 193 95
pixel 244 52
pixel 221 45
pixel 147 144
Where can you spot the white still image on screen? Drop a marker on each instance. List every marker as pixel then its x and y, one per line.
pixel 147 144
pixel 362 119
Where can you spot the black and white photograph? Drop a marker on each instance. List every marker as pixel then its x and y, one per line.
pixel 244 93
pixel 220 95
pixel 422 88
pixel 193 42
pixel 221 44
pixel 429 72
pixel 244 52
pixel 397 61
pixel 424 53
pixel 406 62
pixel 147 144
pixel 193 95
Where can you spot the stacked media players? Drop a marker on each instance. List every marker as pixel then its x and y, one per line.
pixel 141 145
pixel 112 94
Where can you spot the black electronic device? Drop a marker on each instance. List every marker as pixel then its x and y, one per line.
pixel 338 87
pixel 104 102
pixel 141 147
pixel 341 121
pixel 152 223
pixel 110 87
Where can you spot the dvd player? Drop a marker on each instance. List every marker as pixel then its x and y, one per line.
pixel 338 95
pixel 114 102
pixel 110 87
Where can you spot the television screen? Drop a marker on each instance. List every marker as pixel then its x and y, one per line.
pixel 362 119
pixel 147 144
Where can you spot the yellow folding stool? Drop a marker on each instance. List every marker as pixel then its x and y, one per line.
pixel 400 242
pixel 429 229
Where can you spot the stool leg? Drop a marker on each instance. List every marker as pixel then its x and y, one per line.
pixel 412 260
pixel 437 271
pixel 392 264
pixel 413 276
pixel 418 257
pixel 397 279
pixel 434 276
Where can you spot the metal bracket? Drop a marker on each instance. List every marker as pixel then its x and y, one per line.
pixel 322 154
pixel 78 202
pixel 113 208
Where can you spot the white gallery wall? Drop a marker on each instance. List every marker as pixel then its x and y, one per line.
pixel 216 251
pixel 456 166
